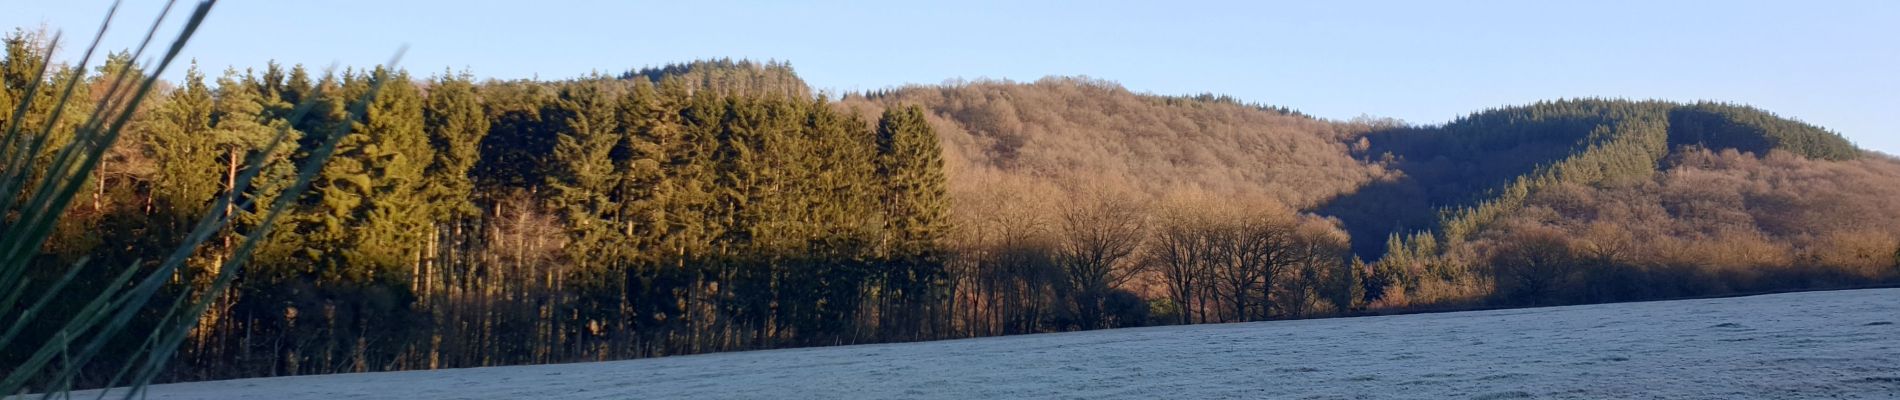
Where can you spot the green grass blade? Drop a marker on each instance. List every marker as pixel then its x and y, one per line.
pixel 33 311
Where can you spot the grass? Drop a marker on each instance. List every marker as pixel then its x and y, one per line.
pixel 43 191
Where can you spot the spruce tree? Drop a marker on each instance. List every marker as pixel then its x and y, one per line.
pixel 916 203
pixel 453 116
pixel 652 126
pixel 581 181
pixel 582 170
pixel 911 164
pixel 18 70
pixel 186 156
pixel 372 214
pixel 396 155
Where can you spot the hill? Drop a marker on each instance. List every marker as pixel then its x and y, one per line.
pixel 1077 132
pixel 720 205
pixel 1630 187
pixel 1730 197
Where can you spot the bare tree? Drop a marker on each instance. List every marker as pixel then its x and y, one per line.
pixel 1003 262
pixel 1178 252
pixel 1318 251
pixel 1532 268
pixel 1096 236
pixel 1249 251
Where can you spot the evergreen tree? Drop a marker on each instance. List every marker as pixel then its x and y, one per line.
pixel 396 155
pixel 582 169
pixel 652 126
pixel 373 214
pixel 911 164
pixel 453 116
pixel 186 155
pixel 19 70
pixel 239 123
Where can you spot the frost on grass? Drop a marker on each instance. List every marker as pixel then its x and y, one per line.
pixel 1804 345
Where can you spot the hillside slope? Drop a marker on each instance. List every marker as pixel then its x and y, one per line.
pixel 1077 132
pixel 1818 344
pixel 1477 168
pixel 1695 198
pixel 1698 198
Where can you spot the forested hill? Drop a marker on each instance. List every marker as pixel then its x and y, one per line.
pixel 1602 200
pixel 723 205
pixel 1685 199
pixel 1476 168
pixel 1093 135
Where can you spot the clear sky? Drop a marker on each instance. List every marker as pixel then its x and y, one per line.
pixel 1833 63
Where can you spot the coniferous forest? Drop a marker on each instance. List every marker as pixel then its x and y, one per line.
pixel 724 205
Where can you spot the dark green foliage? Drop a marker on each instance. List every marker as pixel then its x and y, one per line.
pixel 728 77
pixel 912 168
pixel 452 114
pixel 96 305
pixel 184 150
pixel 370 210
pixel 519 140
pixel 582 173
pixel 1728 126
pixel 916 202
pixel 1211 98
pixel 466 224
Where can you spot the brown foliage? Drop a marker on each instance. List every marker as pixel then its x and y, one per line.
pixel 1075 130
pixel 1712 223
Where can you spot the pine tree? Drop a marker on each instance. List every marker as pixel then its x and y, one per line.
pixel 373 214
pixel 453 116
pixel 582 170
pixel 239 123
pixel 582 180
pixel 694 168
pixel 916 202
pixel 296 89
pixel 911 164
pixel 396 156
pixel 18 70
pixel 652 127
pixel 186 156
pixel 25 57
pixel 1352 293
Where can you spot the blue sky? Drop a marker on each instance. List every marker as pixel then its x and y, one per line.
pixel 1833 63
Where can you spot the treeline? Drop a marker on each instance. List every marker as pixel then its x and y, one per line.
pixel 721 205
pixel 464 223
pixel 469 224
pixel 1031 258
pixel 1714 222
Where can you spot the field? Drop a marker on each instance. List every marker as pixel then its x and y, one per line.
pixel 1842 344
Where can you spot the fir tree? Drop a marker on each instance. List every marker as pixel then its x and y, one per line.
pixel 911 164
pixel 453 116
pixel 581 168
pixel 186 155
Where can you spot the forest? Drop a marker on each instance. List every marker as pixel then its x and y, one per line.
pixel 724 205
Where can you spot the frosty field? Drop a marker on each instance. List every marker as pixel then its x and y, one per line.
pixel 1843 344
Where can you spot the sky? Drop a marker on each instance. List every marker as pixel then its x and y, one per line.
pixel 1831 63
